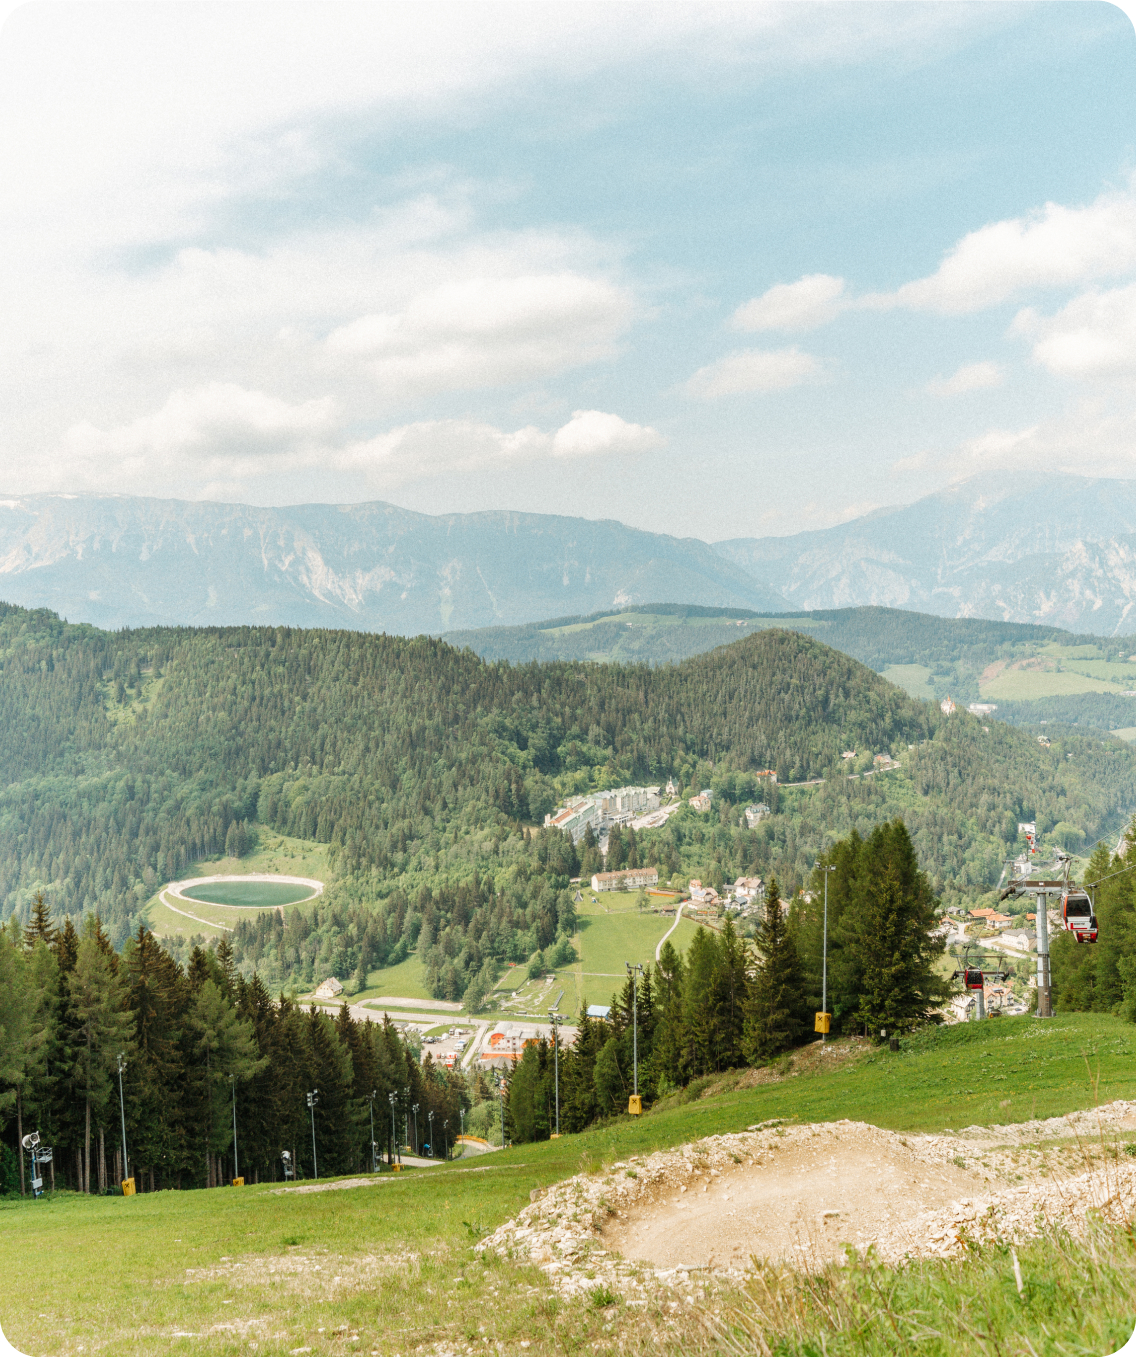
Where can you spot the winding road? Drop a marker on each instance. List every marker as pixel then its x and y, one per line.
pixel 670 930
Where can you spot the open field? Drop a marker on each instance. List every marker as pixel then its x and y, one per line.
pixel 1026 685
pixel 274 853
pixel 912 678
pixel 389 1268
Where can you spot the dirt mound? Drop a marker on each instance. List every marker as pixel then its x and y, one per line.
pixel 799 1193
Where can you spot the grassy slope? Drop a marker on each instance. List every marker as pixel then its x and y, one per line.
pixel 274 853
pixel 134 1304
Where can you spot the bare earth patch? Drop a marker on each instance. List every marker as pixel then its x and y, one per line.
pixel 801 1193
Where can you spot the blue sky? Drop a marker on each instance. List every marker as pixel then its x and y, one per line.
pixel 719 270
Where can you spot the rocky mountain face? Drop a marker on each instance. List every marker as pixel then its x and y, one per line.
pixel 120 561
pixel 1059 550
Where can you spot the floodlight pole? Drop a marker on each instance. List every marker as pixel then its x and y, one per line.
pixel 391 1097
pixel 313 1098
pixel 824 952
pixel 374 1166
pixel 446 1139
pixel 236 1162
pixel 414 1109
pixel 122 1112
pixel 633 972
pixel 556 1020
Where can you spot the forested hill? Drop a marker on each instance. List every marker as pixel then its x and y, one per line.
pixel 125 757
pixel 661 633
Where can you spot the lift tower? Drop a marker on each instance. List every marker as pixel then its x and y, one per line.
pixel 1039 884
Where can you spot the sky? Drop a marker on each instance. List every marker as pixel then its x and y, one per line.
pixel 716 270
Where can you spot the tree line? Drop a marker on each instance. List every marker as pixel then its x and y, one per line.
pixel 195 1043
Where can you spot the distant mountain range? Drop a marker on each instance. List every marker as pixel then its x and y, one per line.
pixel 1055 550
pixel 121 561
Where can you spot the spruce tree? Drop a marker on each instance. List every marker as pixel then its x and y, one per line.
pixel 775 1008
pixel 39 925
pixel 101 1028
pixel 887 933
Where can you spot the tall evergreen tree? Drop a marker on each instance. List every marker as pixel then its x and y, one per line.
pixel 775 1009
pixel 101 1028
pixel 887 932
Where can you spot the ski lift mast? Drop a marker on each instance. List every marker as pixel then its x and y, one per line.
pixel 1029 878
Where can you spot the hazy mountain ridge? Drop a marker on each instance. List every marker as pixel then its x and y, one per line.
pixel 123 561
pixel 1059 550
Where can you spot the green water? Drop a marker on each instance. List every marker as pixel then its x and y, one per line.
pixel 267 894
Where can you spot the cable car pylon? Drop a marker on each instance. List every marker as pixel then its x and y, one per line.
pixel 1039 881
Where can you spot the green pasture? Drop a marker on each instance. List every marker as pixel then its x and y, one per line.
pixel 1127 733
pixel 407 980
pixel 389 1267
pixel 1026 685
pixel 912 678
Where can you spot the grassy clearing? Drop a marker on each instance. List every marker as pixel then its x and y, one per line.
pixel 1025 685
pixel 392 1263
pixel 912 678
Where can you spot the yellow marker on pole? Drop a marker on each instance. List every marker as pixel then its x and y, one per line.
pixel 128 1187
pixel 635 1105
pixel 238 1182
pixel 823 1022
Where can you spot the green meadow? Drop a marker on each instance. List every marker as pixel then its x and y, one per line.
pixel 389 1268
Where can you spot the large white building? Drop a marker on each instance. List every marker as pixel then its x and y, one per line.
pixel 600 809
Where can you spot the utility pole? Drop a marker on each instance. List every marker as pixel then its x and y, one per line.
pixel 374 1166
pixel 825 1017
pixel 414 1109
pixel 391 1097
pixel 236 1162
pixel 313 1098
pixel 446 1139
pixel 430 1122
pixel 555 1019
pixel 634 1106
pixel 122 1111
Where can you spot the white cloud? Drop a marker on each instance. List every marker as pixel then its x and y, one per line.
pixel 591 433
pixel 1056 247
pixel 229 436
pixel 804 305
pixel 217 419
pixel 489 331
pixel 1093 337
pixel 751 370
pixel 969 377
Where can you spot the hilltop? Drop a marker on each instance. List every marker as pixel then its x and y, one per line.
pixel 1030 673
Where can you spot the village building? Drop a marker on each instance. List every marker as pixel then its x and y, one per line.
pixel 755 814
pixel 630 879
pixel 328 989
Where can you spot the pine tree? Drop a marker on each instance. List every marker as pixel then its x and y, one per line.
pixel 40 925
pixel 887 930
pixel 775 1006
pixel 101 1028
